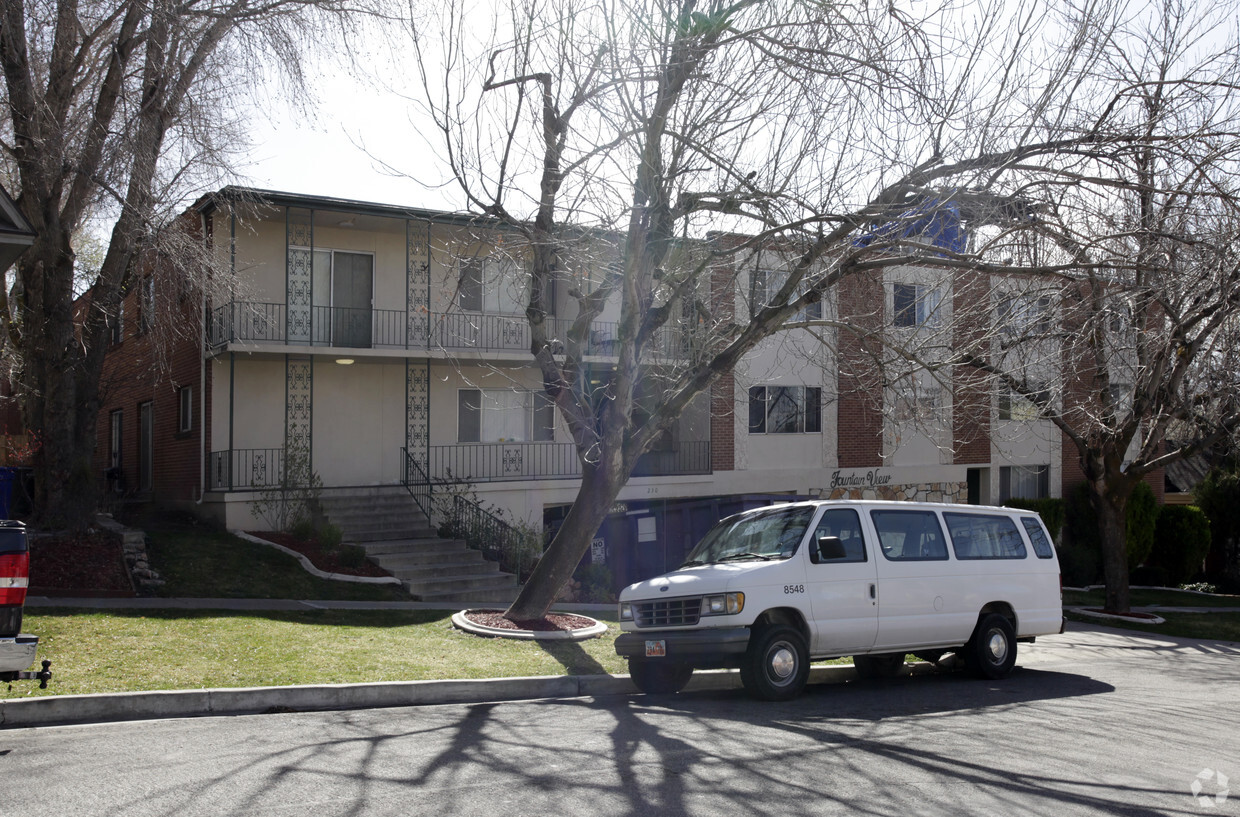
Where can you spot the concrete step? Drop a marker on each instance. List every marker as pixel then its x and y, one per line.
pixel 421 545
pixel 419 574
pixel 364 536
pixel 468 559
pixel 499 597
pixel 455 587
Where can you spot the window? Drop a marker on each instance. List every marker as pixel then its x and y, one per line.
pixel 909 536
pixel 785 409
pixel 504 415
pixel 146 304
pixel 766 285
pixel 845 524
pixel 117 324
pixel 493 285
pixel 1041 543
pixel 185 413
pixel 915 305
pixel 1024 315
pixel 146 440
pixel 979 536
pixel 115 435
pixel 917 399
pixel 1014 406
pixel 1024 482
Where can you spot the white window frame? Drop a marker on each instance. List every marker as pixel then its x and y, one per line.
pixel 803 413
pixel 534 405
pixel 185 409
pixel 926 307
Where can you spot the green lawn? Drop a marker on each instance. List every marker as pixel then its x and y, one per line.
pixel 199 562
pixel 1142 598
pixel 1223 625
pixel 176 649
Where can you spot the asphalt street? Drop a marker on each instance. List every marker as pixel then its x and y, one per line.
pixel 1094 721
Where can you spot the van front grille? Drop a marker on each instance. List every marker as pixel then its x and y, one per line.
pixel 668 613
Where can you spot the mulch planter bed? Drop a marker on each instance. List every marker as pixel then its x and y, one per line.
pixel 90 563
pixel 325 560
pixel 549 623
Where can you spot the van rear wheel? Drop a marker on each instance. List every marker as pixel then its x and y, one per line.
pixel 991 652
pixel 658 678
pixel 884 665
pixel 776 666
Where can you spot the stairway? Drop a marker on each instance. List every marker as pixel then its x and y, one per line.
pixel 397 537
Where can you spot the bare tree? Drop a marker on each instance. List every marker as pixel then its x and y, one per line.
pixel 612 137
pixel 1113 306
pixel 114 110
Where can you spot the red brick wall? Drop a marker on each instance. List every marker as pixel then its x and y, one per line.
pixel 971 395
pixel 859 426
pixel 153 365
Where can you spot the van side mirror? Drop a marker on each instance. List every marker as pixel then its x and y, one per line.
pixel 830 549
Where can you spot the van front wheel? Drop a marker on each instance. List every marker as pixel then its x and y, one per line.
pixel 776 666
pixel 656 678
pixel 991 652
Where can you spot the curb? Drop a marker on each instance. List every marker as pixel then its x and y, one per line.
pixel 309 566
pixel 461 622
pixel 1097 616
pixel 124 706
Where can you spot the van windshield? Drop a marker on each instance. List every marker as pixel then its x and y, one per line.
pixel 771 534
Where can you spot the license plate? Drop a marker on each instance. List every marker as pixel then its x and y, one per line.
pixel 656 649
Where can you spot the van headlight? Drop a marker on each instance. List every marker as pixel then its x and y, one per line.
pixel 626 611
pixel 723 604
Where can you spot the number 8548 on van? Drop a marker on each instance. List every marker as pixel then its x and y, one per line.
pixel 770 590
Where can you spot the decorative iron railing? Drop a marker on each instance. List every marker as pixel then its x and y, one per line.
pixel 256 322
pixel 500 462
pixel 418 484
pixel 482 530
pixel 245 469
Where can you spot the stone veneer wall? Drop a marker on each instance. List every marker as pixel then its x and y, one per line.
pixel 919 492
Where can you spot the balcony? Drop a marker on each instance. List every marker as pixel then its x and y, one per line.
pixel 500 462
pixel 252 469
pixel 251 322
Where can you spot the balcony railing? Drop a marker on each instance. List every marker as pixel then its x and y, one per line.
pixel 340 327
pixel 501 462
pixel 245 469
pixel 253 469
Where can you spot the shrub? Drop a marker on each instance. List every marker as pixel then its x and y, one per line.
pixel 1141 516
pixel 1181 542
pixel 1081 524
pixel 1200 587
pixel 595 584
pixel 1051 509
pixel 1218 496
pixel 1149 576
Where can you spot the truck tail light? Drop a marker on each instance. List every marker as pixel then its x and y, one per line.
pixel 14 578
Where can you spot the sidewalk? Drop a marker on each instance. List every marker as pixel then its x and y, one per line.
pixel 73 709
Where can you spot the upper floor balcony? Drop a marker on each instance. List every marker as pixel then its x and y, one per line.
pixel 251 322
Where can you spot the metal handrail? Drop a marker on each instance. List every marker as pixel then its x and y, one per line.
pixel 418 484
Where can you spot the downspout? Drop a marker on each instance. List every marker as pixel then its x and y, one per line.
pixel 202 382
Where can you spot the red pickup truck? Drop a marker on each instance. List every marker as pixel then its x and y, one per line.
pixel 17 649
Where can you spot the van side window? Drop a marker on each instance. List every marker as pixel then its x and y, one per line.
pixel 981 536
pixel 1041 544
pixel 844 523
pixel 907 536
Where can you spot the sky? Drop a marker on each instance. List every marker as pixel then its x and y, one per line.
pixel 339 149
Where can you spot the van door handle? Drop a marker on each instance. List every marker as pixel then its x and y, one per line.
pixel 873 592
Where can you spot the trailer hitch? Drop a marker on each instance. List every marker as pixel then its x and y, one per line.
pixel 42 676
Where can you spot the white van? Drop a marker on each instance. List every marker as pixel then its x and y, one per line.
pixel 772 589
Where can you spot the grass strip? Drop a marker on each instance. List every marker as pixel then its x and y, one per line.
pixel 120 651
pixel 199 562
pixel 1144 598
pixel 1221 625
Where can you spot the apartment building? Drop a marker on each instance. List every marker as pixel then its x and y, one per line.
pixel 380 346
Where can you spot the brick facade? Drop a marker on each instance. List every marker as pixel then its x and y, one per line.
pixel 860 419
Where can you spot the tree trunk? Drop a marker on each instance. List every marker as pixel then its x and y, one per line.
pixel 594 501
pixel 1111 507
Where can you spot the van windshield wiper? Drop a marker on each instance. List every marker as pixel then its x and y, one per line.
pixel 693 563
pixel 746 555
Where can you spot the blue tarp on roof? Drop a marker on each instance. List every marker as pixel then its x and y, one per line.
pixel 933 219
